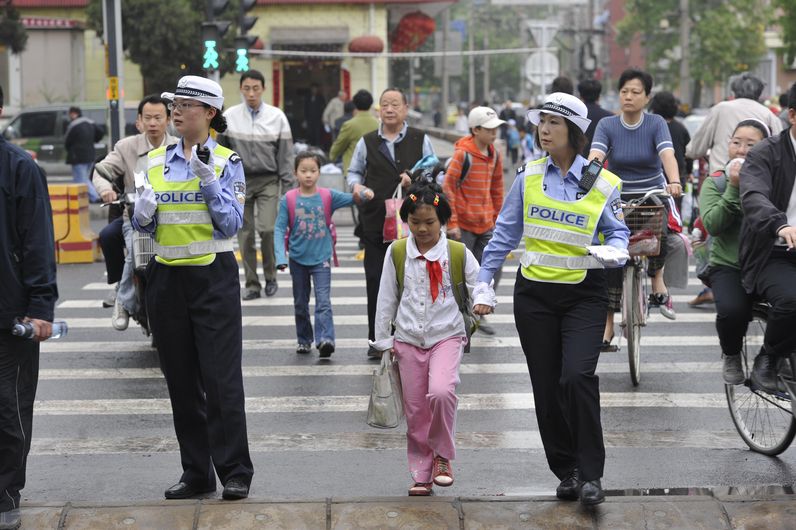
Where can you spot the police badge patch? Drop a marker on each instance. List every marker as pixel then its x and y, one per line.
pixel 616 208
pixel 240 191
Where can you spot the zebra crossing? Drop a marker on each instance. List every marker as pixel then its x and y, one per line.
pixel 101 392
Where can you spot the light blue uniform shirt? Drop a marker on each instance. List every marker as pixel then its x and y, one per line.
pixel 222 195
pixel 510 223
pixel 310 241
pixel 356 169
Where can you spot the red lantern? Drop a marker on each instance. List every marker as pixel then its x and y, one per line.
pixel 411 32
pixel 366 44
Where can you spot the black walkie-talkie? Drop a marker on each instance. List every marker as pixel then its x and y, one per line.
pixel 591 173
pixel 203 153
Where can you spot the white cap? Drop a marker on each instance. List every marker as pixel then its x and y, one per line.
pixel 565 105
pixel 198 88
pixel 483 117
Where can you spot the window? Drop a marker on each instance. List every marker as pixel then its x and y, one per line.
pixel 35 124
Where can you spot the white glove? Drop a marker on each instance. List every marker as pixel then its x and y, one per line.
pixel 205 172
pixel 145 206
pixel 609 256
pixel 484 294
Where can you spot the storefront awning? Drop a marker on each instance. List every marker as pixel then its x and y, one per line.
pixel 304 35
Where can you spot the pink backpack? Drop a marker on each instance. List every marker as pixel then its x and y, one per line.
pixel 326 199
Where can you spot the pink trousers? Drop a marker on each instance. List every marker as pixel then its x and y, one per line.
pixel 429 378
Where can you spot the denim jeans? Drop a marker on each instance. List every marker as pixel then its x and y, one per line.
pixel 125 295
pixel 321 276
pixel 80 175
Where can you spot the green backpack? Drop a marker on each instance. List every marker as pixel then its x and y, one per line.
pixel 457 254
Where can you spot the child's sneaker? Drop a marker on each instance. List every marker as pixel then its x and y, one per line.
pixel 442 472
pixel 303 348
pixel 326 349
pixel 421 489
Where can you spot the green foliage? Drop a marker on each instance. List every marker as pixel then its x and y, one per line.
pixel 726 37
pixel 787 21
pixel 12 32
pixel 164 38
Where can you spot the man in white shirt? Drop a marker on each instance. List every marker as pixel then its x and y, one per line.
pixel 714 134
pixel 260 134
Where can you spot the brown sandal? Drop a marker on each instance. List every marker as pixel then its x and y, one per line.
pixel 421 489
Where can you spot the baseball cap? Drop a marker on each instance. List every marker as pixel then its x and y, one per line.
pixel 198 88
pixel 565 105
pixel 484 117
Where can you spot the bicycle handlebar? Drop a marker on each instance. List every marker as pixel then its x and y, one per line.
pixel 651 193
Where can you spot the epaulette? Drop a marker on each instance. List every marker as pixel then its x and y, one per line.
pixel 521 169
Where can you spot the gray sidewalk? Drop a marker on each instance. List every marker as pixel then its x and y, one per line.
pixel 770 512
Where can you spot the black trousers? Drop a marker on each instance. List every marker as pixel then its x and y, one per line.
pixel 19 376
pixel 375 250
pixel 195 314
pixel 111 240
pixel 776 283
pixel 733 308
pixel 561 329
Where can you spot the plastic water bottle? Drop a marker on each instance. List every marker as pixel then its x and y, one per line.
pixel 25 329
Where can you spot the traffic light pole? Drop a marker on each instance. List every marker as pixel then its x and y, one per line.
pixel 112 17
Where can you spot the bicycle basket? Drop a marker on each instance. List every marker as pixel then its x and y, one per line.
pixel 646 229
pixel 143 249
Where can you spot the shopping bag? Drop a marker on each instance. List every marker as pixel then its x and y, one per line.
pixel 386 407
pixel 394 228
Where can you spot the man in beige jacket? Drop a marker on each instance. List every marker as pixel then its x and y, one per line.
pixel 129 156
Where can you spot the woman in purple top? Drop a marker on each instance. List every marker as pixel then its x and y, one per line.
pixel 642 154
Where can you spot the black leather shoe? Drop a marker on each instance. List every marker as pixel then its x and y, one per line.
pixel 591 493
pixel 569 489
pixel 270 287
pixel 251 294
pixel 235 489
pixel 183 490
pixel 764 372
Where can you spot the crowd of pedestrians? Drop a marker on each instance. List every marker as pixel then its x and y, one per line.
pixel 248 181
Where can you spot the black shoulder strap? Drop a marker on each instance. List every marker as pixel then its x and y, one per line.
pixel 465 169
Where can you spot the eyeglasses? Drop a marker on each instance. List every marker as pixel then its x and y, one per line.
pixel 183 106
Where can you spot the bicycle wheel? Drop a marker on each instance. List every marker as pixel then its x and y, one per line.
pixel 764 421
pixel 632 319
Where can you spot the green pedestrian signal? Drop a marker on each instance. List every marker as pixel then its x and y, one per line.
pixel 211 56
pixel 242 61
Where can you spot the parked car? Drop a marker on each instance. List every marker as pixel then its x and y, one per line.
pixel 42 130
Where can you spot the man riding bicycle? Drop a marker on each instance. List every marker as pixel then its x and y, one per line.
pixel 768 242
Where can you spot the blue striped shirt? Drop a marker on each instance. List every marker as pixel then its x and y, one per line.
pixel 635 150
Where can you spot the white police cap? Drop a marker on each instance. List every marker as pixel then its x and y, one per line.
pixel 198 88
pixel 562 104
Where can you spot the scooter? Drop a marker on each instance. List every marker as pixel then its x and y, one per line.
pixel 143 250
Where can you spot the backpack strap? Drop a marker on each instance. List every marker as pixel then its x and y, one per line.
pixel 290 198
pixel 326 199
pixel 465 169
pixel 457 257
pixel 399 261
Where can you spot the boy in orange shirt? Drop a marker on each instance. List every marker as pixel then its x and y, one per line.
pixel 474 186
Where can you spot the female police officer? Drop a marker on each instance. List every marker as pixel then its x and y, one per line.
pixel 195 208
pixel 559 295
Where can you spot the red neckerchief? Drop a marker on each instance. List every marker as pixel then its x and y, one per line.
pixel 434 277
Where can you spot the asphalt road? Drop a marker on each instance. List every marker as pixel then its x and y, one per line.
pixel 103 431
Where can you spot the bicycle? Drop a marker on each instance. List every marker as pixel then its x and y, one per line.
pixel 763 419
pixel 646 223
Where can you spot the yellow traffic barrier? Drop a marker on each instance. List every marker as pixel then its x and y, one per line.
pixel 75 242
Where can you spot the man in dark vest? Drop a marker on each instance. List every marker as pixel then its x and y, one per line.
pixel 382 160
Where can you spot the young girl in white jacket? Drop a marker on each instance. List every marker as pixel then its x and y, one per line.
pixel 429 334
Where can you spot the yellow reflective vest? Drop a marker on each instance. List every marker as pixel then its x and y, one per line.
pixel 557 232
pixel 184 233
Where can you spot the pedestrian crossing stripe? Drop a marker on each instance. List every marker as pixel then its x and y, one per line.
pixel 362 320
pixel 328 370
pixel 394 440
pixel 359 403
pixel 360 344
